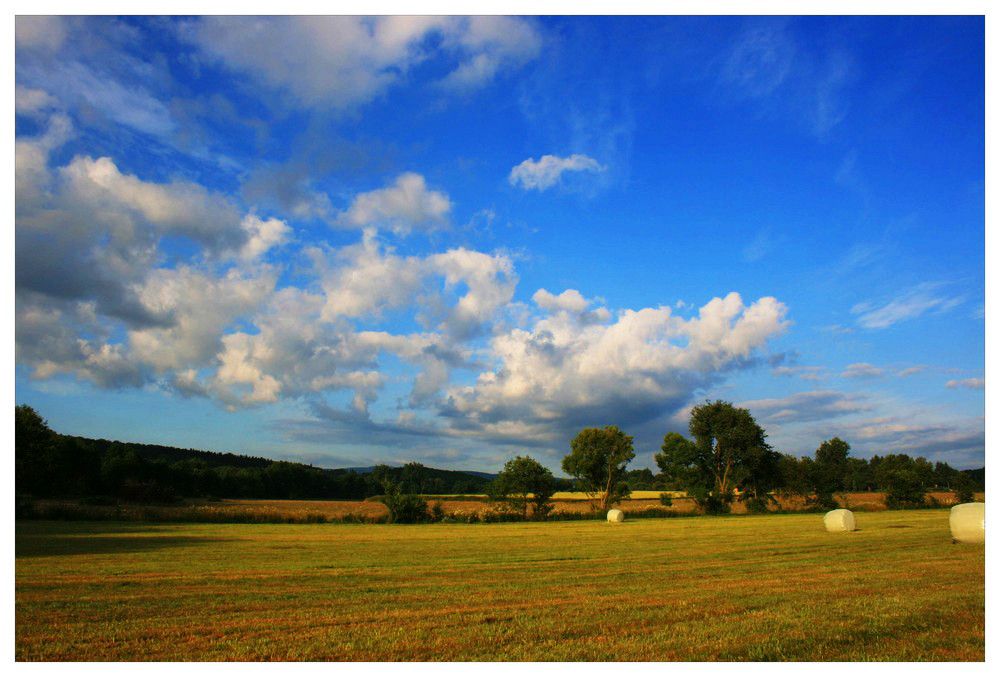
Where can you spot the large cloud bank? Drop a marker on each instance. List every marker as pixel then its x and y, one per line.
pixel 103 295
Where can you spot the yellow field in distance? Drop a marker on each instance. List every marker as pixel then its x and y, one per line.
pixel 636 495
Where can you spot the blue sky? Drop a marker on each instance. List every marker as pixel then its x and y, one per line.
pixel 448 240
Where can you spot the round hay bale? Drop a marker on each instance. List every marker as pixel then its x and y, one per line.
pixel 615 515
pixel 839 520
pixel 968 523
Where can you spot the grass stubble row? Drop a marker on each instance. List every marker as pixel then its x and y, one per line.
pixel 767 588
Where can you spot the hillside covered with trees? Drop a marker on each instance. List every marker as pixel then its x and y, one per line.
pixel 48 464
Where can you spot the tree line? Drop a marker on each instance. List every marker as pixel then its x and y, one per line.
pixel 726 460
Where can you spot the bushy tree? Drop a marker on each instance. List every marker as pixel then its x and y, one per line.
pixel 904 489
pixel 729 451
pixel 524 483
pixel 597 460
pixel 903 480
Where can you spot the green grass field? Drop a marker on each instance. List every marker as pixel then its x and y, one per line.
pixel 767 588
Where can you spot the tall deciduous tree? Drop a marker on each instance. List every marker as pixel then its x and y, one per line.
pixel 730 453
pixel 597 460
pixel 524 483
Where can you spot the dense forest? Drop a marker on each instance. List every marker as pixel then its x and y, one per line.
pixel 48 464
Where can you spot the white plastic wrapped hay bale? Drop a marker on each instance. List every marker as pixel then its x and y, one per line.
pixel 968 523
pixel 615 515
pixel 839 520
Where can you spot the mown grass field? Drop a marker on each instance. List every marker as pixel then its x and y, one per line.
pixel 767 588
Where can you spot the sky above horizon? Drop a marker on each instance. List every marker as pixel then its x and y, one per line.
pixel 346 241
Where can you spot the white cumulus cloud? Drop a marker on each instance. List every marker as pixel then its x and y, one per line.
pixel 405 204
pixel 562 373
pixel 340 62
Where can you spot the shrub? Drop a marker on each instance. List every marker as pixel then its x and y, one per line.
pixel 665 500
pixel 822 501
pixel 756 505
pixel 437 511
pixel 406 508
pixel 711 503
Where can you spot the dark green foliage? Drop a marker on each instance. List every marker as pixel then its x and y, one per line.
pixel 677 462
pixel 977 478
pixel 642 479
pixel 729 452
pixel 860 476
pixel 795 473
pixel 757 505
pixel 666 500
pixel 524 483
pixel 437 511
pixel 828 472
pixel 905 488
pixel 711 503
pixel 903 479
pixel 597 460
pixel 48 464
pixel 962 485
pixel 831 466
pixel 404 508
pixel 419 479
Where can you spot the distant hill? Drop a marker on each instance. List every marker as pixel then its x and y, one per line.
pixel 364 470
pixel 171 455
pixel 239 475
pixel 419 479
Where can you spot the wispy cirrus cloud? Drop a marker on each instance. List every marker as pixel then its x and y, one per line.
pixel 928 297
pixel 960 443
pixel 769 64
pixel 862 370
pixel 806 373
pixel 545 172
pixel 816 405
pixel 970 383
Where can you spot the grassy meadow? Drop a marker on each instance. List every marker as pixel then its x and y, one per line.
pixel 747 588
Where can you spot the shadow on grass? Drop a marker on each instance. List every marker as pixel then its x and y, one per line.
pixel 58 539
